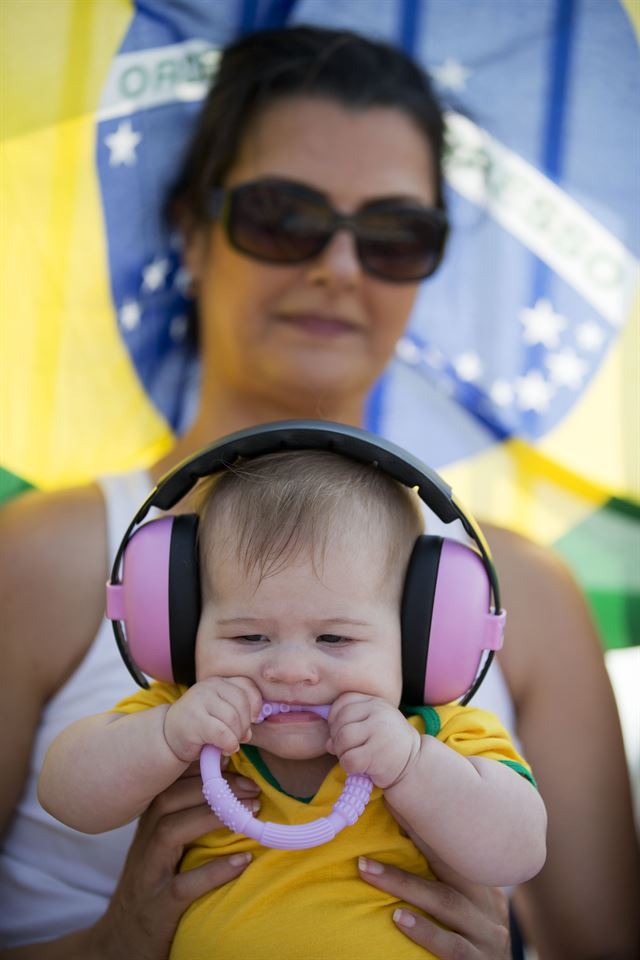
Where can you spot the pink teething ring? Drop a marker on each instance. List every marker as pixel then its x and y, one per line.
pixel 228 808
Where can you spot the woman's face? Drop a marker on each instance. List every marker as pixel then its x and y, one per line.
pixel 312 336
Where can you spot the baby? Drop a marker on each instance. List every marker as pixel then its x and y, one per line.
pixel 303 556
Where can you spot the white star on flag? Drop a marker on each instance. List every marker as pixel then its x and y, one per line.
pixel 408 351
pixel 122 145
pixel 468 366
pixel 534 392
pixel 566 368
pixel 542 324
pixel 129 315
pixel 451 75
pixel 590 336
pixel 501 393
pixel 155 273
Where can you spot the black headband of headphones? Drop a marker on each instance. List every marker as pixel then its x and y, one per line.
pixel 351 442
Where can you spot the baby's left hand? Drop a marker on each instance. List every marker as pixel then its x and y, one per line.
pixel 369 735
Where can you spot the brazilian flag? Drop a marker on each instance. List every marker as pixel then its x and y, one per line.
pixel 518 376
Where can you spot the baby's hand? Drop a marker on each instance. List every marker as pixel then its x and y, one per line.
pixel 369 735
pixel 218 710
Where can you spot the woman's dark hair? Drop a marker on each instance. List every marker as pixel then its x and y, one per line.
pixel 269 65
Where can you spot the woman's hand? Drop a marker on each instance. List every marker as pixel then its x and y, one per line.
pixel 151 895
pixel 476 918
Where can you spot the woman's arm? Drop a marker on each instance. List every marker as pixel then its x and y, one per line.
pixel 151 895
pixel 53 553
pixel 584 902
pixel 53 564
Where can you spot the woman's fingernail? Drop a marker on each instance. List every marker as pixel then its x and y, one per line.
pixel 238 859
pixel 370 866
pixel 247 784
pixel 403 918
pixel 255 805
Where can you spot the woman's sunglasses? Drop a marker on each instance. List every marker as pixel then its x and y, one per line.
pixel 283 222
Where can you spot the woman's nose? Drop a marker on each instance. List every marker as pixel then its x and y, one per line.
pixel 338 264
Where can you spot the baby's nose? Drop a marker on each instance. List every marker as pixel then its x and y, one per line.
pixel 291 668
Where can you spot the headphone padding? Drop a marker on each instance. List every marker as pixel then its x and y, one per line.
pixel 184 597
pixel 415 616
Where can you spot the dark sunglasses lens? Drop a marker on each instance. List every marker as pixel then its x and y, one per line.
pixel 277 223
pixel 401 243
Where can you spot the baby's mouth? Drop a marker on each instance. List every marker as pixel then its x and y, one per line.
pixel 290 712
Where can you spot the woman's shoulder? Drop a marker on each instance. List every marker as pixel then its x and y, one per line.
pixel 547 613
pixel 53 564
pixel 52 534
pixel 524 567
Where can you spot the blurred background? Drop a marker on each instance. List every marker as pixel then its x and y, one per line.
pixel 525 344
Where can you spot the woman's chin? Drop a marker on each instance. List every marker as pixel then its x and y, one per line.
pixel 320 383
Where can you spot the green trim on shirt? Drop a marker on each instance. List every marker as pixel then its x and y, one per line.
pixel 521 770
pixel 430 717
pixel 431 720
pixel 255 758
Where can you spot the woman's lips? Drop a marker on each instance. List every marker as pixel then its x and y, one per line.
pixel 319 325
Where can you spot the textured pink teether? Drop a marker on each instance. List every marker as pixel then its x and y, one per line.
pixel 228 808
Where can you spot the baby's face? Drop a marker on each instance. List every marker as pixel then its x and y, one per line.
pixel 303 637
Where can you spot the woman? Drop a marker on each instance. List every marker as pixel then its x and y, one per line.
pixel 303 129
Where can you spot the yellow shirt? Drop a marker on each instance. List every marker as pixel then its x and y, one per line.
pixel 312 904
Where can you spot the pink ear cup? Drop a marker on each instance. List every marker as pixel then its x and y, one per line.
pixel 461 625
pixel 141 601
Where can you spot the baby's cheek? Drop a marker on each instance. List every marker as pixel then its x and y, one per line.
pixel 204 667
pixel 209 663
pixel 385 682
pixel 389 674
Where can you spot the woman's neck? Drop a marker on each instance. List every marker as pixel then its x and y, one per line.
pixel 220 415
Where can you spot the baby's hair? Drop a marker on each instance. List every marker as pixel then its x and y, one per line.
pixel 269 510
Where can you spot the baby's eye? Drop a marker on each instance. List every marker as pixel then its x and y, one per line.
pixel 252 638
pixel 333 639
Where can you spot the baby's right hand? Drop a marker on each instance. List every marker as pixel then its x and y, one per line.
pixel 218 710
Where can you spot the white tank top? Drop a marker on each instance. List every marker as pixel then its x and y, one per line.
pixel 54 880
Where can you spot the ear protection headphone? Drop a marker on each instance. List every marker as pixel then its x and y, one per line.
pixel 450 614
